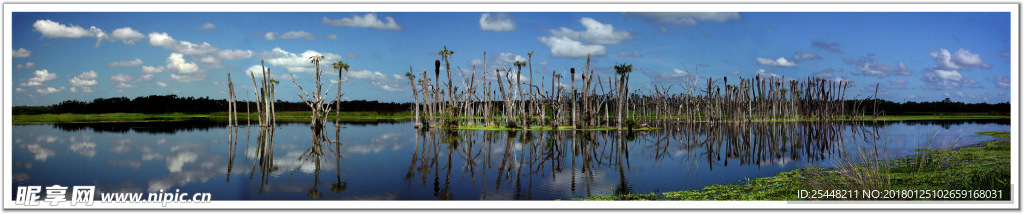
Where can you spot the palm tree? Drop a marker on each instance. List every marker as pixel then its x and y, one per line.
pixel 623 71
pixel 519 90
pixel 416 108
pixel 340 65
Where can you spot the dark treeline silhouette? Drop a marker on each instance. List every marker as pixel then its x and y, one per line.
pixel 945 106
pixel 174 103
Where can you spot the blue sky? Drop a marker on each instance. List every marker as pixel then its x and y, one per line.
pixel 914 56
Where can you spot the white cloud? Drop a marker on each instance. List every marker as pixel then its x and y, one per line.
pixel 208 26
pixel 805 56
pixel 687 18
pixel 126 35
pixel 269 36
pixel 177 63
pixel 368 21
pixel 234 54
pixel 596 33
pixel 27 65
pixel 183 47
pixel 147 77
pixel 121 78
pixel 21 53
pixel 377 79
pixel 39 77
pixel 187 77
pixel 938 79
pixel 123 85
pixel 297 35
pixel 210 60
pixel 566 47
pixel 161 84
pixel 950 75
pixel 498 22
pixel 1002 81
pixel 961 60
pixel 332 36
pixel 126 63
pixel 85 79
pixel 874 67
pixel 151 69
pixel 299 63
pixel 47 90
pixel 780 62
pixel 52 29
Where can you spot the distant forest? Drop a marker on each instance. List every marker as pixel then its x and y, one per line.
pixel 173 103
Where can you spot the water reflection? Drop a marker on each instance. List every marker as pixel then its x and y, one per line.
pixel 514 159
pixel 396 162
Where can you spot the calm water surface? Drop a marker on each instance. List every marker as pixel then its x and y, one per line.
pixel 392 161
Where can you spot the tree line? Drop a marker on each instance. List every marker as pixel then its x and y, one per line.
pixel 173 103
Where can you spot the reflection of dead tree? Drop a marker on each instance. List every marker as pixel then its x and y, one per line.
pixel 264 156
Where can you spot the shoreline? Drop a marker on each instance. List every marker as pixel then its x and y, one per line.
pixel 304 116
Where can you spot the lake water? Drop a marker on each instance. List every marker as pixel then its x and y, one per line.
pixel 393 161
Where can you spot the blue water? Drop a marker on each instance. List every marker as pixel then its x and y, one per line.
pixel 393 161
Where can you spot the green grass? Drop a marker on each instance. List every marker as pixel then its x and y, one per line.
pixel 982 166
pixel 287 116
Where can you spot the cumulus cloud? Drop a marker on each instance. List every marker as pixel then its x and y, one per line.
pixel 630 54
pixel 52 29
pixel 1002 82
pixel 126 35
pixel 183 47
pixel 161 84
pixel 596 33
pixel 27 65
pixel 368 20
pixel 299 63
pixel 121 78
pixel 126 63
pixel 176 62
pixel 331 36
pixel 874 67
pixel 805 56
pixel 961 60
pixel 377 79
pixel 147 77
pixel 828 46
pixel 85 79
pixel 270 36
pixel 497 22
pixel 297 35
pixel 234 54
pixel 151 69
pixel 47 90
pixel 675 76
pixel 939 79
pixel 38 77
pixel 780 62
pixel 21 53
pixel 566 47
pixel 686 18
